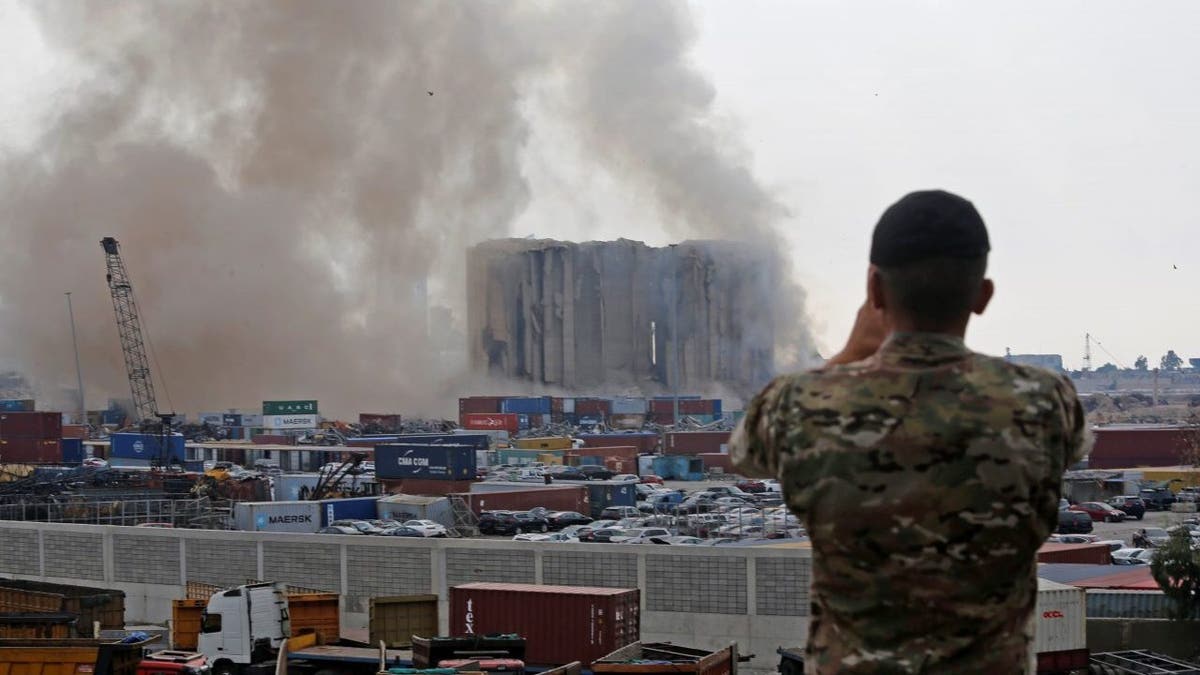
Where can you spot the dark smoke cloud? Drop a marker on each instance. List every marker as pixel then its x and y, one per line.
pixel 283 184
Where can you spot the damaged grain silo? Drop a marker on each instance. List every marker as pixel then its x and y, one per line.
pixel 598 317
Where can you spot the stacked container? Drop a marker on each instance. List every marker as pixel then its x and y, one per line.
pixel 30 437
pixel 425 461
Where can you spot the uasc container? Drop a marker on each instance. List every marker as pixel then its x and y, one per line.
pixel 490 421
pixel 560 624
pixel 146 446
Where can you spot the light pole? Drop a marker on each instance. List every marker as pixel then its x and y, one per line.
pixel 674 300
pixel 78 370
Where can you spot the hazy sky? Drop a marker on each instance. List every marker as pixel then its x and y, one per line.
pixel 1073 126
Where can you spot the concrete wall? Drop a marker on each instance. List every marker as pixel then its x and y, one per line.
pixel 704 597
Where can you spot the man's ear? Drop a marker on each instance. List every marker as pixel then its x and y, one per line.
pixel 986 290
pixel 876 297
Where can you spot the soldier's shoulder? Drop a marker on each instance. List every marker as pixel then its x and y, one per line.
pixel 1023 379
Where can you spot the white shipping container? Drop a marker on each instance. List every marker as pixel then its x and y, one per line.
pixel 277 516
pixel 290 421
pixel 1060 620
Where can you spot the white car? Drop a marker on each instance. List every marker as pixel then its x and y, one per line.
pixel 555 537
pixel 641 535
pixel 427 528
pixel 677 541
pixel 625 478
pixel 772 485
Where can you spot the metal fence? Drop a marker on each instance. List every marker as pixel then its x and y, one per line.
pixel 196 513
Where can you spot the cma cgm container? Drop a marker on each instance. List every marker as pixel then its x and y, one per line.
pixel 41 425
pixel 560 624
pixel 145 446
pixel 355 508
pixel 1060 622
pixel 30 451
pixel 437 461
pixel 277 516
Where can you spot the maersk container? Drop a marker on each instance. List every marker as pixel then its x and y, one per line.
pixel 533 405
pixel 606 494
pixel 436 461
pixel 560 624
pixel 277 516
pixel 146 447
pixel 72 451
pixel 354 508
pixel 1060 625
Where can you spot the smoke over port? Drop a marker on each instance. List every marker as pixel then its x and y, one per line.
pixel 295 185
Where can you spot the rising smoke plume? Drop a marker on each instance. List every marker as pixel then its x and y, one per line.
pixel 285 177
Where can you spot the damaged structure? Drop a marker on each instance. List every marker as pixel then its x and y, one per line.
pixel 597 315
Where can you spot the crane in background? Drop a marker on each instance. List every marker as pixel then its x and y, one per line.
pixel 133 347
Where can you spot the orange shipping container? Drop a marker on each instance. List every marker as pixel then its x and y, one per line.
pixel 75 431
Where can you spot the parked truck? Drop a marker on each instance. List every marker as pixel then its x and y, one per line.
pixel 244 630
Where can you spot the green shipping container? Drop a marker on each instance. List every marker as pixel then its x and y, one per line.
pixel 290 408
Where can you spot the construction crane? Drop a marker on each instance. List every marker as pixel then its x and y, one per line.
pixel 133 347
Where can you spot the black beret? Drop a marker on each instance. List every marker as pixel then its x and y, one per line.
pixel 928 224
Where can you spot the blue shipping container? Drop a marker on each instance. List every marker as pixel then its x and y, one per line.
pixel 355 508
pixel 231 420
pixel 629 406
pixel 537 405
pixel 72 451
pixel 17 405
pixel 431 461
pixel 479 441
pixel 603 495
pixel 145 447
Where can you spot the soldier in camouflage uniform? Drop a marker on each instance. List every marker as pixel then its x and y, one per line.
pixel 926 474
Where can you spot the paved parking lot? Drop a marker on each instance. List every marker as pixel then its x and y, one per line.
pixel 1124 530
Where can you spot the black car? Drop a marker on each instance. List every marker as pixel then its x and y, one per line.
pixel 497 522
pixel 1157 500
pixel 560 519
pixel 569 473
pixel 528 522
pixel 1131 505
pixel 401 531
pixel 1074 522
pixel 593 472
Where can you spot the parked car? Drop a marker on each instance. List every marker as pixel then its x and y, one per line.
pixel 1159 499
pixel 1150 537
pixel 619 512
pixel 1131 505
pixel 363 527
pixel 1099 511
pixel 625 478
pixel 1074 538
pixel 569 473
pixel 338 529
pixel 651 479
pixel 1074 522
pixel 576 531
pixel 603 535
pixel 427 527
pixel 595 472
pixel 677 541
pixel 497 522
pixel 530 522
pixel 555 537
pixel 562 519
pixel 772 486
pixel 730 491
pixel 640 535
pixel 751 486
pixel 401 531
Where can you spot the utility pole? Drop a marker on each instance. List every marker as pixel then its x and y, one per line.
pixel 675 336
pixel 78 370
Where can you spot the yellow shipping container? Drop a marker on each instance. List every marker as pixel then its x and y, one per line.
pixel 1186 476
pixel 547 443
pixel 551 458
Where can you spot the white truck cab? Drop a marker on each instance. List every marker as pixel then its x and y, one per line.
pixel 244 625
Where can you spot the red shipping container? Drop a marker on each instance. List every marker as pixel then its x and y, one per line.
pixel 40 425
pixel 717 460
pixel 1129 446
pixel 30 451
pixel 565 498
pixel 560 624
pixel 644 442
pixel 592 407
pixel 490 422
pixel 479 404
pixel 75 431
pixel 425 487
pixel 1085 554
pixel 687 406
pixel 273 439
pixel 694 442
pixel 626 452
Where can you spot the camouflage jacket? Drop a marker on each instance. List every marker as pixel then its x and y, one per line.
pixel 927 477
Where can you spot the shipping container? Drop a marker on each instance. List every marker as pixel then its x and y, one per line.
pixel 425 461
pixel 292 487
pixel 395 620
pixel 273 439
pixel 72 451
pixel 659 657
pixel 252 420
pixel 415 507
pixel 479 441
pixel 231 420
pixel 1087 554
pixel 530 405
pixel 30 451
pixel 1118 604
pixel 388 422
pixel 37 625
pixel 629 406
pixel 717 463
pixel 1060 624
pixel 525 422
pixel 554 498
pixel 79 656
pixel 605 494
pixel 272 408
pixel 627 421
pixel 593 407
pixel 427 487
pixel 215 419
pixel 311 610
pixel 354 508
pixel 490 422
pixel 277 516
pixel 522 457
pixel 560 624
pixel 39 425
pixel 644 441
pixel 91 605
pixel 146 447
pixel 282 422
pixel 544 443
pixel 678 467
pixel 695 442
pixel 17 405
pixel 480 404
pixel 75 431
